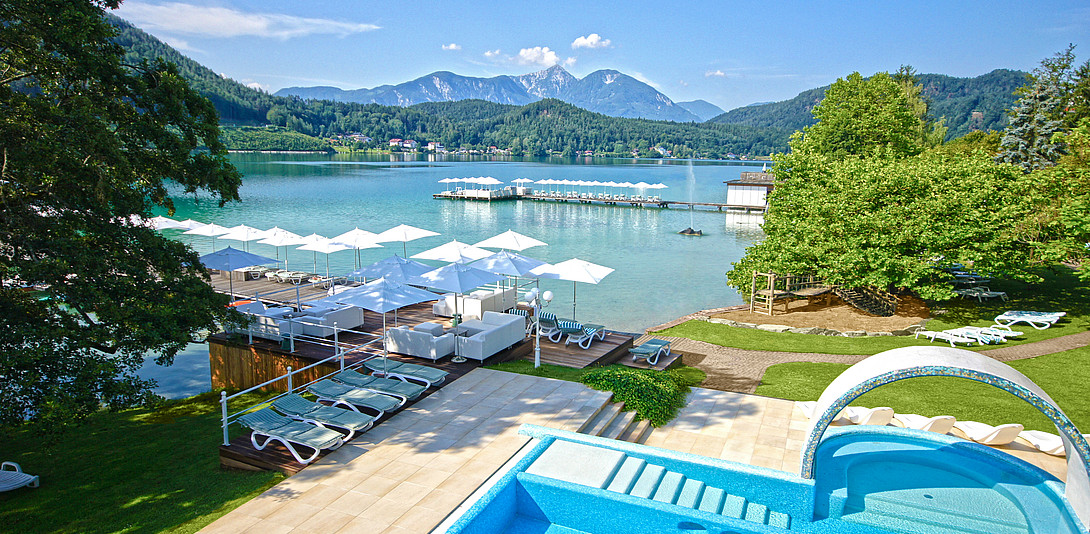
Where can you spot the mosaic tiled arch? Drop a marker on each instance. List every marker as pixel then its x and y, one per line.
pixel 911 362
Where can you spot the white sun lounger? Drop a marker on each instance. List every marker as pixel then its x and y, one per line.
pixel 982 337
pixel 1044 441
pixel 807 409
pixel 869 416
pixel 1038 320
pixel 943 336
pixel 987 434
pixel 940 423
pixel 13 477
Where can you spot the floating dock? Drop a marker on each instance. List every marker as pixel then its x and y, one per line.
pixel 521 193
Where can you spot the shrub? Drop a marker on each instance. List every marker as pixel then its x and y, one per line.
pixel 654 395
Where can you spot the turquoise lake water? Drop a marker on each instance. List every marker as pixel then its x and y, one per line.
pixel 659 274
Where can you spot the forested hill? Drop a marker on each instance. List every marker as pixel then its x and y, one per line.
pixel 956 99
pixel 537 128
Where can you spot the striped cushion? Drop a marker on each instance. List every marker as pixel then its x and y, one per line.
pixel 564 324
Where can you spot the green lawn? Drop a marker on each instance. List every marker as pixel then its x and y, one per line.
pixel 692 375
pixel 133 471
pixel 1062 375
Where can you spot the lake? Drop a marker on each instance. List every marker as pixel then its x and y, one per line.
pixel 659 275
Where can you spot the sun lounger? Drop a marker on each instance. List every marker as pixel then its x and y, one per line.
pixel 1038 320
pixel 13 477
pixel 943 336
pixel 940 423
pixel 869 416
pixel 274 275
pixel 324 416
pixel 430 376
pixel 988 434
pixel 997 330
pixel 351 398
pixel 1044 441
pixel 404 391
pixel 276 427
pixel 651 350
pixel 547 324
pixel 981 337
pixel 583 334
pixel 980 293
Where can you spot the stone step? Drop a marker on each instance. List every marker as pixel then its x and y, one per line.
pixel 734 506
pixel 648 482
pixel 601 400
pixel 691 493
pixel 669 487
pixel 603 419
pixel 619 425
pixel 712 500
pixel 638 432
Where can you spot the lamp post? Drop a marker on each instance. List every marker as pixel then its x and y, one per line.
pixel 534 298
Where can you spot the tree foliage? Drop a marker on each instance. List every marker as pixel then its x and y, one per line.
pixel 887 222
pixel 863 117
pixel 89 144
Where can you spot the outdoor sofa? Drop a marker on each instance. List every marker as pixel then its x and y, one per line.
pixel 473 305
pixel 422 341
pixel 490 334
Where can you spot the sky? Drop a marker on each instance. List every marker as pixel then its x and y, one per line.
pixel 729 53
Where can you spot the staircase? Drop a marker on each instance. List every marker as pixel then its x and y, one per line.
pixel 871 300
pixel 614 423
pixel 638 478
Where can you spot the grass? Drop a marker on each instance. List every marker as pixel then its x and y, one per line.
pixel 1060 291
pixel 131 471
pixel 691 375
pixel 1062 375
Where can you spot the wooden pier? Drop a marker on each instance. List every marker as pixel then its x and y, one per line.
pixel 637 202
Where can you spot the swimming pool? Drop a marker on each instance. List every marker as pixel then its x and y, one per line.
pixel 869 480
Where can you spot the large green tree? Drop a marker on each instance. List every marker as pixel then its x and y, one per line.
pixel 863 117
pixel 88 146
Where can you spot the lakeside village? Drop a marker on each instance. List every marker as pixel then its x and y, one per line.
pixel 352 142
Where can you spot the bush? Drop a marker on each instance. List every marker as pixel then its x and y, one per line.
pixel 654 395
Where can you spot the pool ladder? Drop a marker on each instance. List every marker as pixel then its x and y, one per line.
pixel 638 478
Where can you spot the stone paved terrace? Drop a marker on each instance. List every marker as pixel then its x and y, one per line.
pixel 407 474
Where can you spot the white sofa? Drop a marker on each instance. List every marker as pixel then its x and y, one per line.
pixel 473 305
pixel 493 332
pixel 319 321
pixel 265 322
pixel 419 341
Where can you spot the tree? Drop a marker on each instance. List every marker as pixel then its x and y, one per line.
pixel 885 222
pixel 862 117
pixel 88 146
pixel 1028 139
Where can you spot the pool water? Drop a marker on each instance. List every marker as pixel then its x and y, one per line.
pixel 867 481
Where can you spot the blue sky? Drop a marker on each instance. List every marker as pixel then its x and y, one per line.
pixel 728 53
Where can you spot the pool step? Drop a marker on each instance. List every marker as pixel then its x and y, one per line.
pixel 882 512
pixel 649 481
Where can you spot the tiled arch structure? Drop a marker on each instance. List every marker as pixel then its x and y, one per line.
pixel 910 362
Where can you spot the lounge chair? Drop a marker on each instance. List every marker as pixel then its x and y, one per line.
pixel 1038 320
pixel 351 398
pixel 405 391
pixel 547 324
pixel 980 293
pixel 997 330
pixel 1044 441
pixel 583 334
pixel 651 350
pixel 984 338
pixel 941 424
pixel 526 314
pixel 430 376
pixel 276 427
pixel 869 416
pixel 943 336
pixel 324 416
pixel 274 274
pixel 13 477
pixel 988 434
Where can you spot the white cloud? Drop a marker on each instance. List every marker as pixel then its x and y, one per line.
pixel 717 73
pixel 539 55
pixel 490 54
pixel 190 19
pixel 683 83
pixel 590 41
pixel 452 46
pixel 259 86
pixel 180 45
pixel 569 62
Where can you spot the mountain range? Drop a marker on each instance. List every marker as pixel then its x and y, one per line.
pixel 608 92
